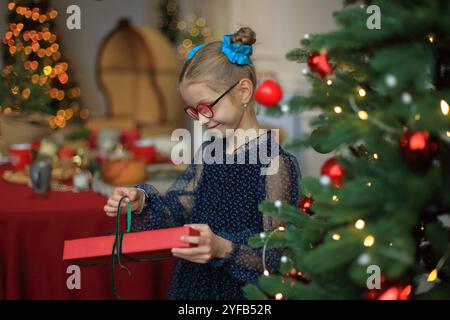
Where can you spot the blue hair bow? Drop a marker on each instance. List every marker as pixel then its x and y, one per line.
pixel 235 52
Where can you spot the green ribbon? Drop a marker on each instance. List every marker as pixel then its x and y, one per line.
pixel 117 248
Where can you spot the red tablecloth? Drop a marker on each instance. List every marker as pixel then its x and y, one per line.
pixel 32 232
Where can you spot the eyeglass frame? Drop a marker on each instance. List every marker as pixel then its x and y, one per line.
pixel 208 106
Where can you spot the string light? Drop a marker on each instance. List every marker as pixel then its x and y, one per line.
pixel 363 115
pixel 329 82
pixel 375 156
pixel 336 236
pixel 48 70
pixel 337 109
pixel 417 117
pixel 335 198
pixel 432 276
pixel 279 296
pixel 360 224
pixel 431 38
pixel 266 242
pixel 201 22
pixel 369 184
pixel 362 92
pixel 369 241
pixel 444 107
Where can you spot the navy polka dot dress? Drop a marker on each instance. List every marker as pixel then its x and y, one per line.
pixel 223 191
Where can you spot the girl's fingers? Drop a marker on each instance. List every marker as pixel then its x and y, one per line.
pixel 190 251
pixel 117 197
pixel 110 212
pixel 114 203
pixel 110 209
pixel 191 239
pixel 196 259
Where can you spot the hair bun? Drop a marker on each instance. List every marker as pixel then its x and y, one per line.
pixel 244 35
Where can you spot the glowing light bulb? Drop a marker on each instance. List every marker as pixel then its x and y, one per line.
pixel 48 70
pixel 279 296
pixel 369 241
pixel 444 107
pixel 337 109
pixel 363 115
pixel 362 92
pixel 360 224
pixel 336 236
pixel 432 276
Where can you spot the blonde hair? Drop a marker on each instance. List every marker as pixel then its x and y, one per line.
pixel 210 66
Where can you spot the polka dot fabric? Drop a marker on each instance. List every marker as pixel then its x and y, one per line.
pixel 225 197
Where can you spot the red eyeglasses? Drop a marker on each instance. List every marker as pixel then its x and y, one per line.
pixel 206 109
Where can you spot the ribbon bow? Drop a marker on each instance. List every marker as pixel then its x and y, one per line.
pixel 236 53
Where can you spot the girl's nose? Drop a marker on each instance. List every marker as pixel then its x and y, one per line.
pixel 203 120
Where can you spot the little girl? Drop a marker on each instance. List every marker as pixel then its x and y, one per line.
pixel 220 200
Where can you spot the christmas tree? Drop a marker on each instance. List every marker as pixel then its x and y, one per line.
pixel 36 77
pixel 372 226
pixel 183 33
pixel 168 20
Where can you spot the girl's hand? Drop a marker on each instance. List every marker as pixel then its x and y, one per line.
pixel 136 197
pixel 209 245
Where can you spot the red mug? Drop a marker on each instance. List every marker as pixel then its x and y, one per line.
pixel 21 155
pixel 145 149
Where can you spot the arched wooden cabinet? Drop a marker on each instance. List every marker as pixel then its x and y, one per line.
pixel 137 70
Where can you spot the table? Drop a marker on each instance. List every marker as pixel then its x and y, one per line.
pixel 32 232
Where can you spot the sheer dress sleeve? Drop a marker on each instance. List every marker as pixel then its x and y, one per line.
pixel 172 208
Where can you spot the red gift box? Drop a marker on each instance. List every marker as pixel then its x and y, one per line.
pixel 153 244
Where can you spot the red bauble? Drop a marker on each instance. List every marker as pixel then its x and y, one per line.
pixel 392 293
pixel 334 171
pixel 269 93
pixel 305 205
pixel 294 274
pixel 418 148
pixel 318 63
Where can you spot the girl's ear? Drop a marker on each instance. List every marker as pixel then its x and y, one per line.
pixel 245 88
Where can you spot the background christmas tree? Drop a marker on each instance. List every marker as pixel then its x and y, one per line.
pixel 183 33
pixel 36 77
pixel 383 96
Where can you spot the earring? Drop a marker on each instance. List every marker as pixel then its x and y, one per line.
pixel 245 105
